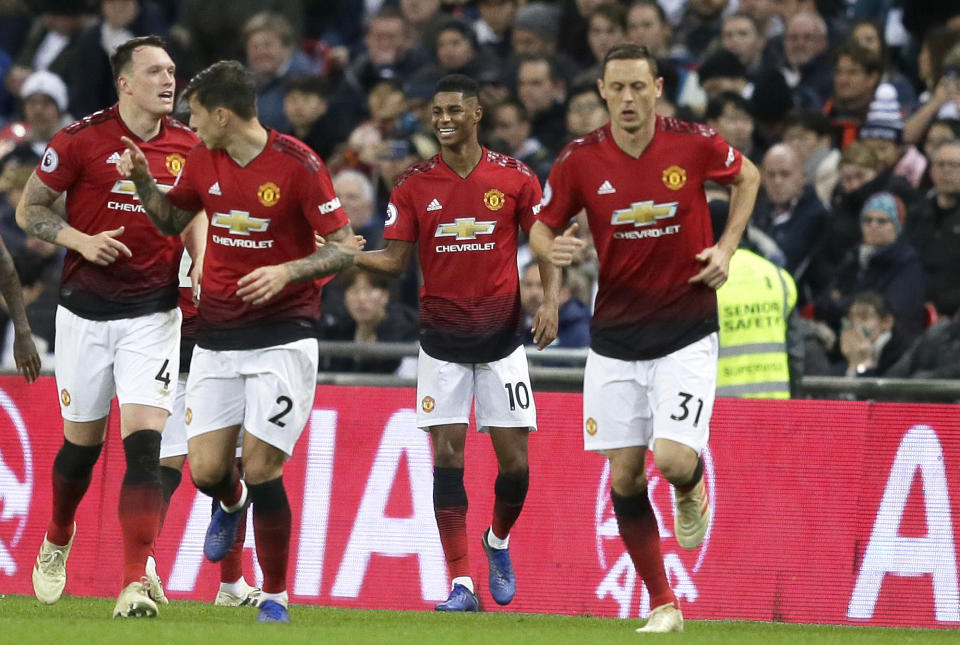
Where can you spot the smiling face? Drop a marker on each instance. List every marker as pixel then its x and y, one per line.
pixel 631 91
pixel 148 81
pixel 455 118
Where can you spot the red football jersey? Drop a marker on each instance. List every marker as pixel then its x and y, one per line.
pixel 649 219
pixel 466 231
pixel 81 160
pixel 262 214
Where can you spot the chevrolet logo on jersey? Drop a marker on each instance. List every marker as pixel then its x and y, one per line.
pixel 465 228
pixel 126 187
pixel 644 213
pixel 240 222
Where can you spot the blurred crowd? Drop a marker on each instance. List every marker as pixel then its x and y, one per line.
pixel 850 107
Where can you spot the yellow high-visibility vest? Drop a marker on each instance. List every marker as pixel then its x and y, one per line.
pixel 754 305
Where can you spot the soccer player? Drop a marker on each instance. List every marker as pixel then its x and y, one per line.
pixel 234 590
pixel 651 370
pixel 118 326
pixel 254 368
pixel 463 208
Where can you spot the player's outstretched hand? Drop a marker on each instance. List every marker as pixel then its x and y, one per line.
pixel 25 356
pixel 103 248
pixel 545 325
pixel 566 246
pixel 716 264
pixel 261 284
pixel 133 163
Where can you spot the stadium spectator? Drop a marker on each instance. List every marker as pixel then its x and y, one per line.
pixel 211 30
pixel 729 114
pixel 270 44
pixel 883 133
pixel 868 35
pixel 120 301
pixel 573 315
pixel 44 102
pixel 882 262
pixel 457 52
pixel 700 26
pixel 388 53
pixel 933 228
pixel 647 25
pixel 16 169
pixel 606 27
pixel 940 131
pixel 307 109
pixel 941 99
pixel 494 26
pixel 40 303
pixel 741 35
pixel 723 72
pixel 870 340
pixel 807 60
pixel 808 133
pixel 370 314
pixel 639 155
pixel 424 17
pixel 856 75
pixel 88 75
pixel 511 125
pixel 358 197
pixel 585 111
pixel 788 210
pixel 936 354
pixel 536 30
pixel 50 42
pixel 254 368
pixel 542 92
pixel 573 28
pixel 470 338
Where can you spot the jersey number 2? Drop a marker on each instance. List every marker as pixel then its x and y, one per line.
pixel 286 405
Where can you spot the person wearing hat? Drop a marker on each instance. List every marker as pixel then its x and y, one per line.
pixel 883 132
pixel 882 262
pixel 44 100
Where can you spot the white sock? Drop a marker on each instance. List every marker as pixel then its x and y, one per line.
pixel 495 542
pixel 466 581
pixel 236 588
pixel 275 597
pixel 241 503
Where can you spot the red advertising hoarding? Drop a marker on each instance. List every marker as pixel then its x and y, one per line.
pixel 826 512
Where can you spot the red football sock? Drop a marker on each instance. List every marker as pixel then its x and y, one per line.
pixel 231 567
pixel 271 527
pixel 452 523
pixel 72 473
pixel 141 499
pixel 638 528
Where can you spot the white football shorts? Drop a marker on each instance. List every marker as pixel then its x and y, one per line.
pixel 501 392
pixel 634 403
pixel 267 391
pixel 135 359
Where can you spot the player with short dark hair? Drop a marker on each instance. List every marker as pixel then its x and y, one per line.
pixel 118 326
pixel 254 368
pixel 651 371
pixel 463 209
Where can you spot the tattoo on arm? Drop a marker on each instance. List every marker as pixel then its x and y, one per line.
pixel 168 219
pixel 36 215
pixel 329 258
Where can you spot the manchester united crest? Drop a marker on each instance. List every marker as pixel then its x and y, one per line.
pixel 494 199
pixel 428 404
pixel 591 425
pixel 674 177
pixel 268 194
pixel 175 163
pixel 65 397
pixel 188 416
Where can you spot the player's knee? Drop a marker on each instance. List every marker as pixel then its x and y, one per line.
pixel 678 470
pixel 446 455
pixel 210 478
pixel 628 481
pixel 448 488
pixel 142 451
pixel 75 462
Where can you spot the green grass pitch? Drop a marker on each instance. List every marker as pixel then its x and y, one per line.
pixel 78 621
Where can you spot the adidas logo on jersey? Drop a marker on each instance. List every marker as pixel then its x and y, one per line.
pixel 215 189
pixel 434 206
pixel 606 188
pixel 114 158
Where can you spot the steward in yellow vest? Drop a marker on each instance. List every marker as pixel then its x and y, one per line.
pixel 754 306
